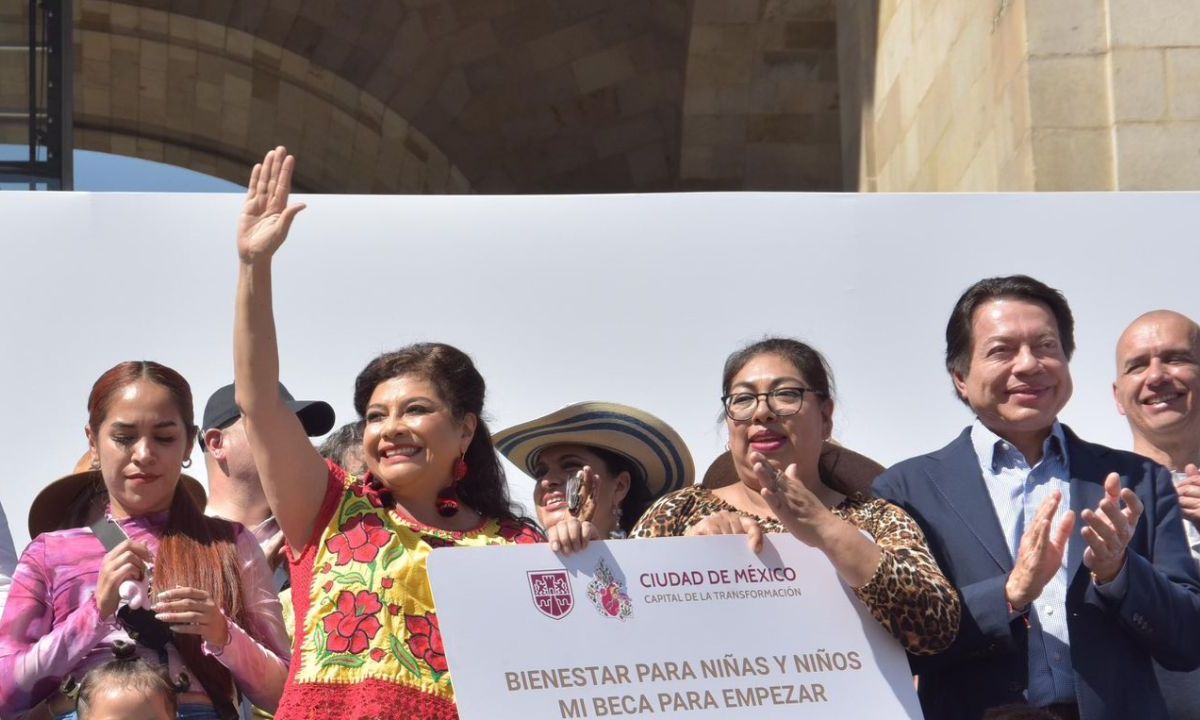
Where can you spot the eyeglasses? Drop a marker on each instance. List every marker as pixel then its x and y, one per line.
pixel 783 401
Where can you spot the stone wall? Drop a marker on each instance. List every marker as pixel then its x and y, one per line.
pixel 940 93
pixel 760 104
pixel 1021 94
pixel 1156 93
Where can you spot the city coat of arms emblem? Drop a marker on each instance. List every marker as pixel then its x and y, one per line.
pixel 551 591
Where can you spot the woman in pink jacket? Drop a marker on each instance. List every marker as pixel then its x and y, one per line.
pixel 205 578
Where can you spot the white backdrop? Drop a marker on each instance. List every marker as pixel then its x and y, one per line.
pixel 628 298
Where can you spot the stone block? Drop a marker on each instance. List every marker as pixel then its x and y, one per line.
pixel 1016 174
pixel 649 166
pixel 123 17
pixel 603 69
pixel 726 11
pixel 559 48
pixel 1159 157
pixel 454 93
pixel 793 167
pixel 152 22
pixel 776 10
pixel 153 83
pixel 727 130
pixel 1183 73
pixel 182 28
pixel 473 43
pixel 982 173
pixel 1069 92
pixel 1160 23
pixel 211 35
pixel 95 46
pixel 1073 159
pixel 629 134
pixel 1068 27
pixel 895 47
pixel 1139 85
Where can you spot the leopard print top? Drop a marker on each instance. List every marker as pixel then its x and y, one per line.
pixel 908 594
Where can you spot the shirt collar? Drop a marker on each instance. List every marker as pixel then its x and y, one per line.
pixel 987 443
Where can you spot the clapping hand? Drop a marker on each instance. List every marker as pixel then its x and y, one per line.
pixel 796 507
pixel 1040 554
pixel 1109 528
pixel 266 215
pixel 1189 495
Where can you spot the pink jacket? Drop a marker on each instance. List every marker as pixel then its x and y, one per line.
pixel 51 627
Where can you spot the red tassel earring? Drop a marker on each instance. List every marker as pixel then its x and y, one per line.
pixel 447 503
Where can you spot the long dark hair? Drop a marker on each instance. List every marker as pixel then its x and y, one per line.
pixel 461 387
pixel 195 550
pixel 638 500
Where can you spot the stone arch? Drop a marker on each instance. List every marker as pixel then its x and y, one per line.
pixel 169 87
pixel 392 95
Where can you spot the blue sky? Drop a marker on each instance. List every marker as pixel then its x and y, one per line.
pixel 102 172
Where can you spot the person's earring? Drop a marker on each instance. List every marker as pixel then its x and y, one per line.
pixel 187 463
pixel 95 463
pixel 447 503
pixel 617 533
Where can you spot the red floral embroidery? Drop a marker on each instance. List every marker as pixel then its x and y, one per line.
pixel 393 609
pixel 378 654
pixel 353 625
pixel 387 583
pixel 519 533
pixel 425 640
pixel 361 541
pixel 368 492
pixel 434 541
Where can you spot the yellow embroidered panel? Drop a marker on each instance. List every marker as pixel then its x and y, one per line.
pixel 371 612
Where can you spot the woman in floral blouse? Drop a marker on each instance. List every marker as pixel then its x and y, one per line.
pixel 367 643
pixel 778 401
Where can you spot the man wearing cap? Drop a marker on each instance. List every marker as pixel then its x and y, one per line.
pixel 1069 556
pixel 1157 389
pixel 234 489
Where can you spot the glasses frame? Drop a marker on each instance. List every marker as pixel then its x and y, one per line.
pixel 770 399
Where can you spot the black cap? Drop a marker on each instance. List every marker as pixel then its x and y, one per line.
pixel 221 411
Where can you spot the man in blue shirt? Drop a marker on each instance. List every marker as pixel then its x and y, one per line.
pixel 1070 556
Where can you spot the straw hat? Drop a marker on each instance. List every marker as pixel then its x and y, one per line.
pixel 841 469
pixel 78 499
pixel 654 448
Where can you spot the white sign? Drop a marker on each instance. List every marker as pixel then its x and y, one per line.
pixel 667 628
pixel 634 299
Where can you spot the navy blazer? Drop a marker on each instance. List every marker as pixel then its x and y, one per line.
pixel 1112 642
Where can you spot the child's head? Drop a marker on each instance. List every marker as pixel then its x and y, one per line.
pixel 126 690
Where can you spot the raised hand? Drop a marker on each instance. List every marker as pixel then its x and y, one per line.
pixel 585 510
pixel 1040 554
pixel 800 511
pixel 724 522
pixel 1109 528
pixel 266 215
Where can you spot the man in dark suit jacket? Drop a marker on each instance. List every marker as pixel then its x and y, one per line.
pixel 1070 557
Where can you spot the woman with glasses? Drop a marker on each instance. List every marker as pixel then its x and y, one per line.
pixel 778 400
